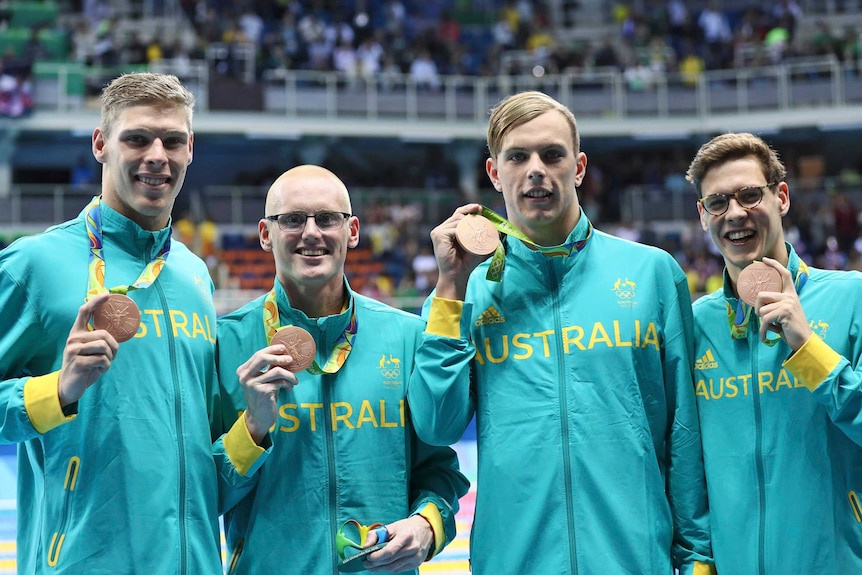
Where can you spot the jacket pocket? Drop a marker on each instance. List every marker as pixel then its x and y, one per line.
pixel 855 506
pixel 59 536
pixel 235 554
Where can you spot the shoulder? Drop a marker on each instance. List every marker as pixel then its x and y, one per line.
pixel 706 303
pixel 251 311
pixel 57 243
pixel 373 307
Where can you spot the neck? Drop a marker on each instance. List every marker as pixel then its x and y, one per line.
pixel 149 223
pixel 316 301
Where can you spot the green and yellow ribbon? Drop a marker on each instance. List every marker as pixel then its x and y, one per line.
pixel 504 226
pixel 96 266
pixel 272 323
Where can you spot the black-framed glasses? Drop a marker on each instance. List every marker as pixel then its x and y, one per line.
pixel 748 197
pixel 295 221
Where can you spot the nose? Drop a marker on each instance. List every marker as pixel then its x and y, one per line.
pixel 156 154
pixel 310 229
pixel 735 211
pixel 536 171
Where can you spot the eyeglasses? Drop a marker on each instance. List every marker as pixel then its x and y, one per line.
pixel 295 221
pixel 748 197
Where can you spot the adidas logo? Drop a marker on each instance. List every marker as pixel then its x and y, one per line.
pixel 706 362
pixel 489 316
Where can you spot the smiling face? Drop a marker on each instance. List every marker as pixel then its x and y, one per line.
pixel 537 169
pixel 744 235
pixel 144 156
pixel 310 262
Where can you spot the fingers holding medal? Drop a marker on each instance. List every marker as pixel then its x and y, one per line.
pixel 755 278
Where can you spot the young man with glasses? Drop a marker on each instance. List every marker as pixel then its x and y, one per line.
pixel 777 382
pixel 310 451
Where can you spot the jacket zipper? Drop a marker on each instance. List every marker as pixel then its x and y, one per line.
pixel 754 341
pixel 564 425
pixel 178 419
pixel 325 381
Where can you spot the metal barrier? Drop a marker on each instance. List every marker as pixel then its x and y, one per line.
pixel 601 93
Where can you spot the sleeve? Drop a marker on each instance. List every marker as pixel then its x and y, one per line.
pixel 29 399
pixel 691 550
pixel 439 392
pixel 236 456
pixel 238 459
pixel 436 485
pixel 833 381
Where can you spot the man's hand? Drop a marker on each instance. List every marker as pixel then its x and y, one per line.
pixel 261 378
pixel 453 262
pixel 87 355
pixel 782 312
pixel 410 541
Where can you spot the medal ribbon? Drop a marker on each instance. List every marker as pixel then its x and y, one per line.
pixel 739 319
pixel 272 323
pixel 96 268
pixel 504 226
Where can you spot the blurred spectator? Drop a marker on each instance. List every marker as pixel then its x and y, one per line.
pixel 846 222
pixel 84 173
pixel 16 91
pixel 717 34
pixel 423 71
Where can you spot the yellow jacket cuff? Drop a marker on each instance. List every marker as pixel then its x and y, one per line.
pixel 703 569
pixel 241 449
pixel 432 515
pixel 444 317
pixel 813 362
pixel 42 402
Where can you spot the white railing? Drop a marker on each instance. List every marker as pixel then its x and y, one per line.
pixel 602 93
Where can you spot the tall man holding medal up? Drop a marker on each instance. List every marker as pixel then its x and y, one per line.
pixel 115 462
pixel 322 466
pixel 580 349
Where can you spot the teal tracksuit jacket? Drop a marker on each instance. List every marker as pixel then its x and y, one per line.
pixel 588 444
pixel 343 446
pixel 782 432
pixel 128 484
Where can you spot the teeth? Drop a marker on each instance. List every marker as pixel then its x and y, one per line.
pixel 152 181
pixel 738 235
pixel 312 252
pixel 537 194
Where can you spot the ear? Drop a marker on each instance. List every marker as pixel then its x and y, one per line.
pixel 353 226
pixel 783 198
pixel 703 216
pixel 263 235
pixel 98 144
pixel 191 147
pixel 582 169
pixel 491 170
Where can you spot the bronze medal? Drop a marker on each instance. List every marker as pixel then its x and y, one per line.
pixel 755 278
pixel 299 344
pixel 119 316
pixel 477 235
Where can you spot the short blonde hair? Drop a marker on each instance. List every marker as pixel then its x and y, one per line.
pixel 519 109
pixel 734 146
pixel 144 89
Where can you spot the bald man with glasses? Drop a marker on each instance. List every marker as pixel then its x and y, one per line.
pixel 320 459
